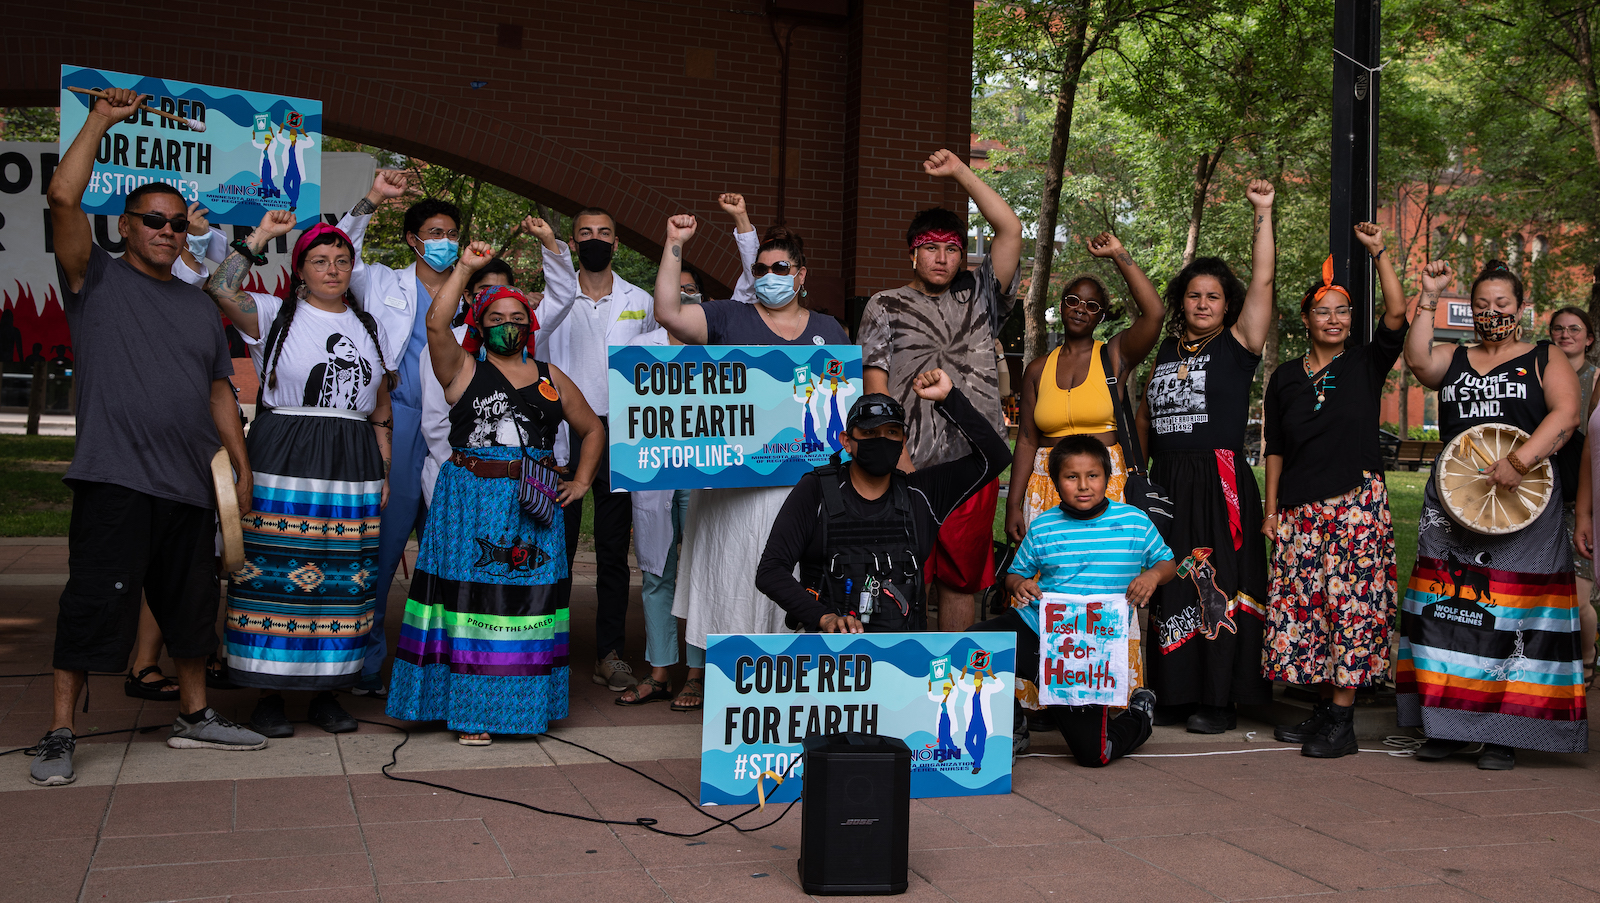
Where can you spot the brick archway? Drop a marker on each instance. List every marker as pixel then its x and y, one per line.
pixel 644 108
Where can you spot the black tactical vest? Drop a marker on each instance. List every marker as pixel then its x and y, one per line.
pixel 870 566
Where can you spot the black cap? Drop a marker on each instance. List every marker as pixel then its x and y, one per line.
pixel 875 410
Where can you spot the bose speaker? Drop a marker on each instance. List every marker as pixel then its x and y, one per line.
pixel 856 818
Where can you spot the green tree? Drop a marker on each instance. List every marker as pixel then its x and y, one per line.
pixel 30 124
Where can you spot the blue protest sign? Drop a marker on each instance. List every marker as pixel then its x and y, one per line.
pixel 721 416
pixel 258 152
pixel 765 693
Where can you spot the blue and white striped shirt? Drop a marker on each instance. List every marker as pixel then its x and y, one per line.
pixel 1087 557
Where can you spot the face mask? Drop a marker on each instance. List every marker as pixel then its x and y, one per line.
pixel 439 253
pixel 774 291
pixel 199 245
pixel 1494 325
pixel 506 339
pixel 877 456
pixel 595 254
pixel 691 298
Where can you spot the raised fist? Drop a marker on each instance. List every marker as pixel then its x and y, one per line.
pixel 1260 193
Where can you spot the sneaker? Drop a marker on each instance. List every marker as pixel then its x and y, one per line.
pixel 328 714
pixel 1305 730
pixel 1497 758
pixel 370 685
pixel 53 764
pixel 214 732
pixel 1336 737
pixel 1143 701
pixel 269 719
pixel 614 674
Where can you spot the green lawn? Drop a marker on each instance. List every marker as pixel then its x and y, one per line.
pixel 1405 505
pixel 33 500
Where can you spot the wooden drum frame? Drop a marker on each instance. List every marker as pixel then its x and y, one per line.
pixel 227 512
pixel 1472 501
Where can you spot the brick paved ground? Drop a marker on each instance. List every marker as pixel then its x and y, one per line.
pixel 310 819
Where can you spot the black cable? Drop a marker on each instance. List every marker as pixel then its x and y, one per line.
pixel 649 824
pixel 34 750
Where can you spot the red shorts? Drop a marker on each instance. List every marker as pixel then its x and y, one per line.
pixel 963 556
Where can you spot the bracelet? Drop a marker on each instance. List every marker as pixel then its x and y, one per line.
pixel 386 424
pixel 1379 254
pixel 1516 463
pixel 1423 306
pixel 239 245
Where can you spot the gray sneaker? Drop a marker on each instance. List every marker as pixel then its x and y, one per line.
pixel 1143 701
pixel 215 732
pixel 614 674
pixel 53 765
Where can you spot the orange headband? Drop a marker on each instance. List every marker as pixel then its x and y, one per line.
pixel 1327 286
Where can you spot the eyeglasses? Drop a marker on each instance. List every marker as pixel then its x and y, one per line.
pixel 154 222
pixel 689 288
pixel 781 268
pixel 1331 313
pixel 436 233
pixel 1576 329
pixel 1093 307
pixel 321 264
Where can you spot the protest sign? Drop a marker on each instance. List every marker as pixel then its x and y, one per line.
pixel 1083 650
pixel 947 695
pixel 721 416
pixel 258 152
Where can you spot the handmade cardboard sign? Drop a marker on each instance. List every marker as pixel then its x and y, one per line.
pixel 1083 650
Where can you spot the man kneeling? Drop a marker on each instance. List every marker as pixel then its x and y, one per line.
pixel 861 531
pixel 1088 545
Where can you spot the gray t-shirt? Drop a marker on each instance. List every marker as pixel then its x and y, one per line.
pixel 145 352
pixel 734 323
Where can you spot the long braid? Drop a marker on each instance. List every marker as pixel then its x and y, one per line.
pixel 390 378
pixel 280 330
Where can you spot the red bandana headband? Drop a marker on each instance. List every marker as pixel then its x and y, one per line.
pixel 480 304
pixel 937 236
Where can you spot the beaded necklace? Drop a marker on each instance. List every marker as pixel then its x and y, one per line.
pixel 1321 384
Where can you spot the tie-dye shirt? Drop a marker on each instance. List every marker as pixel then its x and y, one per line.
pixel 906 333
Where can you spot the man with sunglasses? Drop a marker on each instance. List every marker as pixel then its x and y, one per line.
pixel 154 403
pixel 948 317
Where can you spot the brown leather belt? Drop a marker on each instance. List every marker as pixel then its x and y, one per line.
pixel 489 470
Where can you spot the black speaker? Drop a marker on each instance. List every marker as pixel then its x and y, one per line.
pixel 856 819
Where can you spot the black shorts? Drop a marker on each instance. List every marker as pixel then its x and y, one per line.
pixel 123 543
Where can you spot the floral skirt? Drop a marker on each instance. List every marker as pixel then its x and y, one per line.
pixel 1043 495
pixel 1332 601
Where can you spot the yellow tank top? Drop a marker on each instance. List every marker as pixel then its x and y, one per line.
pixel 1085 409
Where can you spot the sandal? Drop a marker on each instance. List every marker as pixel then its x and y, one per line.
pixel 658 692
pixel 217 674
pixel 474 739
pixel 693 688
pixel 163 690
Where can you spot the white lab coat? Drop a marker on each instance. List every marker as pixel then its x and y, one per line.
pixel 435 421
pixel 390 296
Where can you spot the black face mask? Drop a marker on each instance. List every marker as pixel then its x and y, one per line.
pixel 877 456
pixel 595 254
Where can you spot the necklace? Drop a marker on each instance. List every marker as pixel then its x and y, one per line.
pixel 1193 349
pixel 1323 383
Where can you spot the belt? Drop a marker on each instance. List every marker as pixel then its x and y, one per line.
pixel 489 470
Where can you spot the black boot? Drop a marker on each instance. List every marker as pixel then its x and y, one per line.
pixel 1337 735
pixel 1305 730
pixel 1212 719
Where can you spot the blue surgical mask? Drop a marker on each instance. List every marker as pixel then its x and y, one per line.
pixel 775 291
pixel 198 245
pixel 440 253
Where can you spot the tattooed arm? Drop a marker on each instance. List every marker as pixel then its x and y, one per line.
pixel 226 285
pixel 1132 345
pixel 382 420
pixel 684 322
pixel 1561 401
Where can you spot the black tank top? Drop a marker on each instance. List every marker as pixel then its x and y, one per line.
pixel 1201 401
pixel 493 413
pixel 1510 393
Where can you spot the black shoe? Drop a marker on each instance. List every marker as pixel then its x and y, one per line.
pixel 326 713
pixel 1336 736
pixel 1171 714
pixel 1434 750
pixel 217 674
pixel 1143 701
pixel 1213 719
pixel 268 719
pixel 1305 730
pixel 1497 758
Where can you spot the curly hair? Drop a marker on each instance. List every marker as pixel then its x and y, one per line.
pixel 1232 291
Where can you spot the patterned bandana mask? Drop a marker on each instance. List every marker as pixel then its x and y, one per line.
pixel 1494 325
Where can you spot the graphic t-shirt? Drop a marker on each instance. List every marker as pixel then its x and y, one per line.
pixel 1201 401
pixel 1510 393
pixel 328 360
pixel 906 333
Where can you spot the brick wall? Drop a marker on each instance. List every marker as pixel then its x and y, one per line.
pixel 645 108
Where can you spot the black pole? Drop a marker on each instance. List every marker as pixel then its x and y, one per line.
pixel 1353 192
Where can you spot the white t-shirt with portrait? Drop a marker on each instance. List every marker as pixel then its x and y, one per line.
pixel 328 360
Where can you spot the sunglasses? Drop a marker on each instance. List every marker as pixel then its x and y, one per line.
pixel 878 409
pixel 781 268
pixel 1093 307
pixel 154 222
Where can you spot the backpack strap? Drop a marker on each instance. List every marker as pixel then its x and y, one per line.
pixel 1127 436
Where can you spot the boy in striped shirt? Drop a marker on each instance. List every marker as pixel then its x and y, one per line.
pixel 1089 545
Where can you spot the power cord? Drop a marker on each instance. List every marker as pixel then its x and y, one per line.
pixel 649 824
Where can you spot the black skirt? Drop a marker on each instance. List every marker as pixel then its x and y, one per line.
pixel 1204 641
